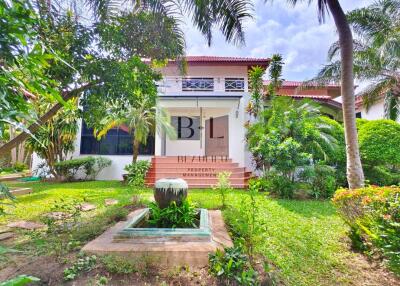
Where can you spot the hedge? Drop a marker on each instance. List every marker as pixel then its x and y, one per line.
pixel 373 214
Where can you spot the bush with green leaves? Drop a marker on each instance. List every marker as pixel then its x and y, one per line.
pixel 90 166
pixel 137 173
pixel 288 136
pixel 373 214
pixel 223 186
pixel 379 142
pixel 380 151
pixel 321 179
pixel 232 267
pixel 244 221
pixel 174 216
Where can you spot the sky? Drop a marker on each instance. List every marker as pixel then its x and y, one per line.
pixel 278 27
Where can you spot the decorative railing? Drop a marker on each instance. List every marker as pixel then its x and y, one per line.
pixel 178 85
pixel 234 84
pixel 197 84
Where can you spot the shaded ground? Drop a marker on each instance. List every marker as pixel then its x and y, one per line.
pixel 305 240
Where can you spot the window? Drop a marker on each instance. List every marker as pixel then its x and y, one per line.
pixel 197 84
pixel 234 84
pixel 116 142
pixel 358 115
pixel 187 128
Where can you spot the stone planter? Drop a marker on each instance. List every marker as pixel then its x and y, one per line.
pixel 171 190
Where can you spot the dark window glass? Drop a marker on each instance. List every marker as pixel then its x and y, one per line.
pixel 358 115
pixel 116 142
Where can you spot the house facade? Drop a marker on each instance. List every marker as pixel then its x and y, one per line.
pixel 207 106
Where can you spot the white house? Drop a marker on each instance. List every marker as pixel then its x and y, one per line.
pixel 207 108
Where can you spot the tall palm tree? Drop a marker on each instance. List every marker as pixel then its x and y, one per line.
pixel 141 120
pixel 376 54
pixel 355 175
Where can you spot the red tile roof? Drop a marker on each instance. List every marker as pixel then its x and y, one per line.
pixel 318 98
pixel 214 60
pixel 292 83
pixel 322 98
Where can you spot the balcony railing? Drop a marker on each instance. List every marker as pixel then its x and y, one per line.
pixel 197 84
pixel 234 84
pixel 179 85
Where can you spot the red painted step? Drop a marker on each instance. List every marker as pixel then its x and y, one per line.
pixel 199 172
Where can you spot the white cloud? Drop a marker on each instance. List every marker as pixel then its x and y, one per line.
pixel 278 27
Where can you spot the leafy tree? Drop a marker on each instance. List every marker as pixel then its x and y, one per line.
pixel 142 120
pixel 103 74
pixel 376 55
pixel 55 139
pixel 23 59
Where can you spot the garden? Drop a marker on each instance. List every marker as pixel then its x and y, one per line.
pixel 299 242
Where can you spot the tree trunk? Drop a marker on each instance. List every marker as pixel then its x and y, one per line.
pixel 136 145
pixel 13 150
pixel 355 175
pixel 66 95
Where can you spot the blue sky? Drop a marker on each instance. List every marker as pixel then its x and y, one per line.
pixel 278 27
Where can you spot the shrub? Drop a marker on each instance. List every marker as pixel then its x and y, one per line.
pixel 137 172
pixel 381 176
pixel 262 184
pixel 321 179
pixel 183 215
pixel 379 142
pixel 99 164
pixel 232 266
pixel 90 166
pixel 244 220
pixel 280 185
pixel 223 186
pixel 373 214
pixel 19 167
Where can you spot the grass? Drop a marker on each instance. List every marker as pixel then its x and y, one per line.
pixel 304 239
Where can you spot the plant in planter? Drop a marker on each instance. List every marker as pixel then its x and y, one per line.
pixel 167 191
pixel 184 215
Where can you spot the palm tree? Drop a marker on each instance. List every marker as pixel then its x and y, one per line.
pixel 355 175
pixel 376 55
pixel 141 120
pixel 227 15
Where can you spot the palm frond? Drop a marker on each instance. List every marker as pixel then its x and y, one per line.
pixel 374 92
pixel 227 15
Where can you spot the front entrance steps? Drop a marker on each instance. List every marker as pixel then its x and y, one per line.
pixel 197 171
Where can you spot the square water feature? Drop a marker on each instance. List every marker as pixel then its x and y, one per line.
pixel 137 229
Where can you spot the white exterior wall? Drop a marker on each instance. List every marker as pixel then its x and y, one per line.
pixel 190 104
pixel 375 112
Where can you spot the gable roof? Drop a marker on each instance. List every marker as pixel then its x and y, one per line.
pixel 318 94
pixel 214 60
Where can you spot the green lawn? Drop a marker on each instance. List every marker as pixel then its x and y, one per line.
pixel 304 239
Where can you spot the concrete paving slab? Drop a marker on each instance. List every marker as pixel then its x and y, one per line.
pixel 167 254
